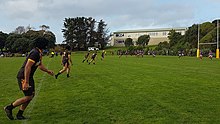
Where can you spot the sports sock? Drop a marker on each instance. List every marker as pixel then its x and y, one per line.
pixel 20 113
pixel 58 73
pixel 10 107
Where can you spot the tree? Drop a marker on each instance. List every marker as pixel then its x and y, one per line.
pixel 51 38
pixel 20 45
pixel 44 27
pixel 174 37
pixel 191 36
pixel 206 27
pixel 75 32
pixel 31 35
pixel 129 42
pixel 91 33
pixel 163 45
pixel 10 41
pixel 28 28
pixel 3 37
pixel 143 40
pixel 80 33
pixel 102 37
pixel 24 42
pixel 19 30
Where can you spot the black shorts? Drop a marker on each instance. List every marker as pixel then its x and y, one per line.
pixel 66 62
pixel 93 58
pixel 30 90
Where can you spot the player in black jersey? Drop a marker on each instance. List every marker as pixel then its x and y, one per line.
pixel 86 58
pixel 26 80
pixel 93 57
pixel 103 55
pixel 66 60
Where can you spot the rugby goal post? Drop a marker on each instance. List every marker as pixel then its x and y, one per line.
pixel 217 43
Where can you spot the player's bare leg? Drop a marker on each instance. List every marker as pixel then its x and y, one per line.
pixel 61 71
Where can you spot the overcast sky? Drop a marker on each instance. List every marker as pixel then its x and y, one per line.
pixel 118 14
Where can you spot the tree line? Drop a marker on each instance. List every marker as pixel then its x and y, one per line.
pixel 79 33
pixel 83 32
pixel 21 40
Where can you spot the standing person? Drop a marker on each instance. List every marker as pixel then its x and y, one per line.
pixel 201 55
pixel 103 55
pixel 210 54
pixel 180 53
pixel 52 54
pixel 153 54
pixel 93 57
pixel 26 80
pixel 66 60
pixel 120 53
pixel 86 58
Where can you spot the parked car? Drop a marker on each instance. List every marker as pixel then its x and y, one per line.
pixel 92 48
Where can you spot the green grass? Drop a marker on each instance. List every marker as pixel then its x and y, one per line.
pixel 119 90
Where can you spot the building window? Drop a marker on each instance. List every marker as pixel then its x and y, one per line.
pixel 164 33
pixel 119 35
pixel 153 33
pixel 119 41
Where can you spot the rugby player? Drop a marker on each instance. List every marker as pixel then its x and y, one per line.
pixel 26 80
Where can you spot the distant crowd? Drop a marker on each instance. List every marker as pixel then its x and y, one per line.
pixel 116 52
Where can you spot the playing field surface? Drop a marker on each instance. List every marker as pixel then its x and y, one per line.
pixel 126 90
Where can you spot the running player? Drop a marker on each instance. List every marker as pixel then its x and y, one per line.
pixel 66 60
pixel 86 58
pixel 93 57
pixel 26 80
pixel 103 55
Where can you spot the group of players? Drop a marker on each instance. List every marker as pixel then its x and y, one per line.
pixel 25 75
pixel 91 58
pixel 210 55
pixel 34 61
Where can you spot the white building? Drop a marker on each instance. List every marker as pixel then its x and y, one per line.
pixel 156 35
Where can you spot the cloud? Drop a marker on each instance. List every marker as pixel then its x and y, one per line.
pixel 154 15
pixel 19 9
pixel 127 11
pixel 118 14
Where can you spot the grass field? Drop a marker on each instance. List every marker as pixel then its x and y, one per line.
pixel 119 90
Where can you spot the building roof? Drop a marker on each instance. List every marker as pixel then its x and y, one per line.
pixel 150 30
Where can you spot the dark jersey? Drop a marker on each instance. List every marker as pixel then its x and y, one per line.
pixel 65 59
pixel 87 55
pixel 94 55
pixel 34 56
pixel 103 54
